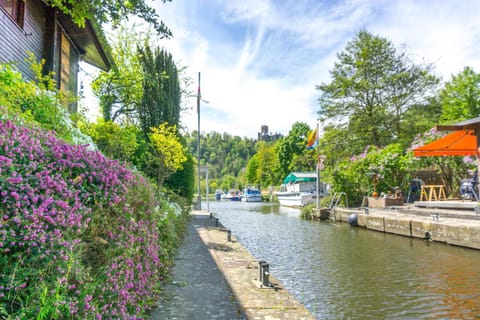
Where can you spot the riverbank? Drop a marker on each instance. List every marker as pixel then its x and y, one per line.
pixel 235 266
pixel 455 227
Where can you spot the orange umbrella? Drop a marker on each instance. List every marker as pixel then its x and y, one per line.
pixel 457 143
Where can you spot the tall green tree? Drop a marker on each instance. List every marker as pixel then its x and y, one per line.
pixel 120 90
pixel 373 86
pixel 111 11
pixel 290 147
pixel 460 98
pixel 161 89
pixel 260 168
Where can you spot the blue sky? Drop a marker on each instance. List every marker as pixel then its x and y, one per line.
pixel 261 59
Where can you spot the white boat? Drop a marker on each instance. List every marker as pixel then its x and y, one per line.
pixel 251 194
pixel 299 189
pixel 231 195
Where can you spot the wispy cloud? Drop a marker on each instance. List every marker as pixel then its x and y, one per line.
pixel 260 60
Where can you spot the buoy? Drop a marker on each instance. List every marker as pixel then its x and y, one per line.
pixel 353 220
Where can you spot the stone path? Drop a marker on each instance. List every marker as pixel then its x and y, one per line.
pixel 198 289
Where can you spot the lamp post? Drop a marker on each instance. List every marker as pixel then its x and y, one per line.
pixel 199 197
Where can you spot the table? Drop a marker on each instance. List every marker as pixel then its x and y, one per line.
pixel 433 192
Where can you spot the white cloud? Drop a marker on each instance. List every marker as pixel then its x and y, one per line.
pixel 260 60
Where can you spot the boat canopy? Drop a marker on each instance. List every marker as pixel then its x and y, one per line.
pixel 294 177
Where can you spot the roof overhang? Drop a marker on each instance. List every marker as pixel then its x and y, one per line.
pixel 90 42
pixel 470 124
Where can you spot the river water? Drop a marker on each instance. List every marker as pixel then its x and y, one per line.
pixel 340 272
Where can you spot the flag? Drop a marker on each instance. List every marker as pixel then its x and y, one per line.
pixel 312 139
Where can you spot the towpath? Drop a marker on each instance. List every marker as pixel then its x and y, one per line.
pixel 198 289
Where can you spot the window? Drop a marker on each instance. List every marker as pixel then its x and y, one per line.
pixel 14 8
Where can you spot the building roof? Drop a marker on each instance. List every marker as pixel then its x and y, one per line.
pixel 90 41
pixel 470 124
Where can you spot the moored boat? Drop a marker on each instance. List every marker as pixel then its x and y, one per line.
pixel 299 189
pixel 251 194
pixel 232 195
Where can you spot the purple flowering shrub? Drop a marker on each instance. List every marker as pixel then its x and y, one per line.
pixel 79 232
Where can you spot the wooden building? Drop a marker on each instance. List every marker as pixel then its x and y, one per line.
pixel 32 26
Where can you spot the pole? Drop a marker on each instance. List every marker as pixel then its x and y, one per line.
pixel 206 183
pixel 199 196
pixel 318 171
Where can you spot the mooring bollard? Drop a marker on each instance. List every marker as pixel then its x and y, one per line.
pixel 263 273
pixel 266 274
pixel 229 236
pixel 260 270
pixel 216 221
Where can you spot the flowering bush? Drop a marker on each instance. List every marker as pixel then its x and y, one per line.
pixel 37 102
pixel 79 232
pixel 381 169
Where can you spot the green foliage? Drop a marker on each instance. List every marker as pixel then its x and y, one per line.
pixel 182 181
pixel 260 167
pixel 226 155
pixel 460 98
pixel 291 147
pixel 120 89
pixel 36 102
pixel 373 87
pixel 115 141
pixel 161 89
pixel 167 154
pixel 388 168
pixel 110 11
pixel 86 236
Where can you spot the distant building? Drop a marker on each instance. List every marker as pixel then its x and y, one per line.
pixel 264 135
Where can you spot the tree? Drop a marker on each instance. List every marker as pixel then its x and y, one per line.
pixel 373 86
pixel 260 168
pixel 161 89
pixel 182 181
pixel 120 90
pixel 110 11
pixel 460 98
pixel 290 146
pixel 166 153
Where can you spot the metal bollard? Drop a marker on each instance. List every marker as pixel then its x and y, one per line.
pixel 216 221
pixel 229 236
pixel 366 210
pixel 211 215
pixel 435 217
pixel 266 274
pixel 260 270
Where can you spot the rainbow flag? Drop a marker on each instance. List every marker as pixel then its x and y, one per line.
pixel 312 139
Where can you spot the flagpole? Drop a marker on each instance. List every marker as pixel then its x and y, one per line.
pixel 318 170
pixel 199 196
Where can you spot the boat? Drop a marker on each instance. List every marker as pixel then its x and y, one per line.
pixel 218 194
pixel 251 194
pixel 299 189
pixel 231 195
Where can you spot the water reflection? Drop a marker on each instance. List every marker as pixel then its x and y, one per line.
pixel 352 273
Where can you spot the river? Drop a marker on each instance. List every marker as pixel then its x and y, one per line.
pixel 340 272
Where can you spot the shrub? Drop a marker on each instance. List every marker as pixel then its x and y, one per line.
pixel 80 234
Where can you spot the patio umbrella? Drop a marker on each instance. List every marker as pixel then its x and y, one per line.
pixel 457 143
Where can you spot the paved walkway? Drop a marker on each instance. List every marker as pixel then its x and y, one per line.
pixel 198 290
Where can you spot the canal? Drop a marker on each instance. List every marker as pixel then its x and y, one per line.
pixel 340 272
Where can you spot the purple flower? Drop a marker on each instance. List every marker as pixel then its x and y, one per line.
pixel 5 161
pixel 15 180
pixel 15 195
